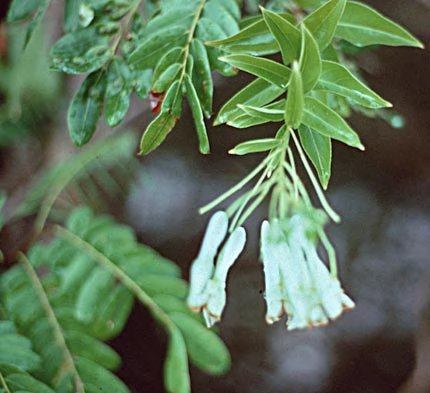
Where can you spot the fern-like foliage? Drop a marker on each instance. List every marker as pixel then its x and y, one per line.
pixel 17 360
pixel 70 295
pixel 97 174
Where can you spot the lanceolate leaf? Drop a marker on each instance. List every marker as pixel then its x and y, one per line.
pixel 322 23
pixel 362 26
pixel 337 79
pixel 295 99
pixel 258 93
pixel 198 116
pixel 255 146
pixel 318 148
pixel 326 121
pixel 85 108
pixel 266 113
pixel 269 70
pixel 287 35
pixel 310 60
pixel 201 76
pixel 157 132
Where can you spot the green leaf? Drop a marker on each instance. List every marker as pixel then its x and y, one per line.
pixel 322 23
pixel 254 39
pixel 196 110
pixel 26 383
pixel 216 11
pixel 20 10
pixel 286 34
pixel 173 56
pixel 361 25
pixel 15 350
pixel 326 121
pixel 118 90
pixel 201 76
pixel 157 132
pixel 310 60
pixel 295 99
pixel 205 348
pixel 259 92
pixel 97 377
pixel 318 149
pixel 95 288
pixel 143 83
pixel 337 79
pixel 266 113
pixel 172 102
pixel 85 108
pixel 166 78
pixel 255 146
pixel 153 48
pixel 83 345
pixel 176 375
pixel 80 52
pixel 252 116
pixel 269 70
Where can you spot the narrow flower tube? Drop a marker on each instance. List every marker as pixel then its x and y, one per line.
pixel 297 280
pixel 208 279
pixel 202 267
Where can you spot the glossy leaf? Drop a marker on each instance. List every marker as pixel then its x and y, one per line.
pixel 322 23
pixel 157 132
pixel 337 79
pixel 295 99
pixel 198 116
pixel 363 26
pixel 318 149
pixel 287 35
pixel 326 121
pixel 255 146
pixel 310 60
pixel 269 70
pixel 85 108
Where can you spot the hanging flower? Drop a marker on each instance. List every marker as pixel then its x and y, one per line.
pixel 208 278
pixel 297 280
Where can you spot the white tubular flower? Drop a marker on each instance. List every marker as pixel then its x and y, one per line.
pixel 208 279
pixel 297 280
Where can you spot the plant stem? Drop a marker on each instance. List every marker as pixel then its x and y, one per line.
pixel 332 214
pixel 69 363
pixel 4 384
pixel 234 189
pixel 127 281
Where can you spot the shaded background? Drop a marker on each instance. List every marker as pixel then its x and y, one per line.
pixel 383 242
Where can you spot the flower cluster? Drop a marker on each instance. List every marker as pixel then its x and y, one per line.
pixel 296 279
pixel 208 277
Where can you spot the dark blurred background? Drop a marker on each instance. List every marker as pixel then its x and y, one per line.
pixel 383 242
